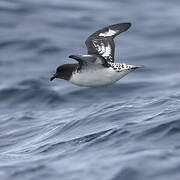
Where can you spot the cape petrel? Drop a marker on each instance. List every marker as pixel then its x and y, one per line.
pixel 97 68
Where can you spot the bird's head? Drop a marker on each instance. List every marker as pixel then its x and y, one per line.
pixel 64 72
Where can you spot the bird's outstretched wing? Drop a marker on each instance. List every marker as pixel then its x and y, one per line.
pixel 101 42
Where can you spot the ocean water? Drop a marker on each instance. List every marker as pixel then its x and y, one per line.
pixel 57 131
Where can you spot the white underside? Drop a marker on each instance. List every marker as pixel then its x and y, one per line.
pixel 98 77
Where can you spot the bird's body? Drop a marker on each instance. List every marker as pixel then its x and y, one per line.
pixel 100 76
pixel 98 67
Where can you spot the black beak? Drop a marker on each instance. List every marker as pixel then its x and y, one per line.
pixel 53 77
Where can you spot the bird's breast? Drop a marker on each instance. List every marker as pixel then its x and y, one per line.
pixel 94 78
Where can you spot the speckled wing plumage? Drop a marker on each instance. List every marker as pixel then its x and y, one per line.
pixel 101 42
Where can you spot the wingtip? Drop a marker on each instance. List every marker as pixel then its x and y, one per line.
pixel 121 27
pixel 76 57
pixel 128 24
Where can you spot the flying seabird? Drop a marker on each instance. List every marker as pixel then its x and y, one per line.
pixel 97 68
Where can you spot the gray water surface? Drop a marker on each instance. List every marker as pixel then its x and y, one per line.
pixel 55 130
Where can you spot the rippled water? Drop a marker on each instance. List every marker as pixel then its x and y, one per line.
pixel 55 130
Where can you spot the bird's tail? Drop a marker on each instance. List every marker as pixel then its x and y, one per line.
pixel 137 67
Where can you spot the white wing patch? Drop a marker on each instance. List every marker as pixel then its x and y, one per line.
pixel 107 52
pixel 100 48
pixel 103 50
pixel 110 32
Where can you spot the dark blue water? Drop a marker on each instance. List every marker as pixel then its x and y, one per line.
pixel 55 130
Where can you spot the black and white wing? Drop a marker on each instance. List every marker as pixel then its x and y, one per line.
pixel 101 42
